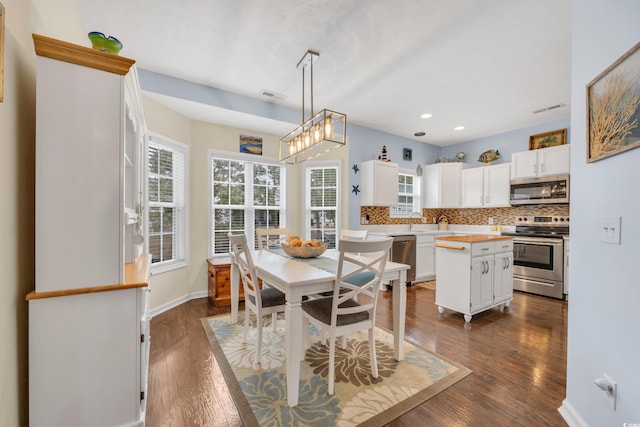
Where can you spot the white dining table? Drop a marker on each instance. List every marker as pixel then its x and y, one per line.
pixel 297 279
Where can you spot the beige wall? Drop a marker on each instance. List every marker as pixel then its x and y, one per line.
pixel 201 137
pixel 17 186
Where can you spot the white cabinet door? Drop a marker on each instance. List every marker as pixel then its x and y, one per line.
pixel 524 164
pixel 425 257
pixel 443 185
pixel 486 186
pixel 473 187
pixel 481 282
pixel 554 160
pixel 379 183
pixel 503 278
pixel 542 162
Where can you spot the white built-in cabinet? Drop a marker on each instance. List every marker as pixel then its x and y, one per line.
pixel 541 162
pixel 486 186
pixel 425 257
pixel 379 183
pixel 89 312
pixel 474 274
pixel 443 185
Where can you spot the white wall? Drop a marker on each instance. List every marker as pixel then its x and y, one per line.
pixel 17 186
pixel 603 311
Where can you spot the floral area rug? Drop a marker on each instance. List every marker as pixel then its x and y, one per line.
pixel 260 390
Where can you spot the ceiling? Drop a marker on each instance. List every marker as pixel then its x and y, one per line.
pixel 486 65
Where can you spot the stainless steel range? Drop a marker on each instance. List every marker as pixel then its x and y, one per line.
pixel 538 254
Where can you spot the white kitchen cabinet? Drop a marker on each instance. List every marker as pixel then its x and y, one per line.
pixel 541 162
pixel 486 186
pixel 473 273
pixel 378 183
pixel 425 257
pixel 443 185
pixel 89 312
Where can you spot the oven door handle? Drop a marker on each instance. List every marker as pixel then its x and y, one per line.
pixel 538 240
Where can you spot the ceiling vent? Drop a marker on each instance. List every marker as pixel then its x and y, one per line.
pixel 553 107
pixel 271 94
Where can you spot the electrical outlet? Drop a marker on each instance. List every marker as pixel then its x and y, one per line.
pixel 608 389
pixel 490 220
pixel 610 231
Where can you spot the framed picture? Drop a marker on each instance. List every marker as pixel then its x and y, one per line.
pixel 613 113
pixel 1 52
pixel 548 139
pixel 250 144
pixel 407 154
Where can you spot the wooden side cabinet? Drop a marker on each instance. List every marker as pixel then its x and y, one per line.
pixel 219 278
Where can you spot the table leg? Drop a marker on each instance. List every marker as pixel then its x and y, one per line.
pixel 399 314
pixel 235 292
pixel 294 321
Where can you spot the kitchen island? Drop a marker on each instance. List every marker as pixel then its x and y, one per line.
pixel 474 273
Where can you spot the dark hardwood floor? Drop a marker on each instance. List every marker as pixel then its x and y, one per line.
pixel 518 358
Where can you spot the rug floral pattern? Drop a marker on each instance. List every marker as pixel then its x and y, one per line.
pixel 358 396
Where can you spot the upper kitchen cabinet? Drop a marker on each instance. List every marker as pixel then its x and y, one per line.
pixel 486 186
pixel 541 162
pixel 443 185
pixel 379 183
pixel 90 151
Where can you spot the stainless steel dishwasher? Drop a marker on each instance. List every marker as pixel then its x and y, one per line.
pixel 403 250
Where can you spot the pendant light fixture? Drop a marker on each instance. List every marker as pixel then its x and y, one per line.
pixel 322 132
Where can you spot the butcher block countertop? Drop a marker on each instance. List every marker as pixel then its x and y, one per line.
pixel 474 238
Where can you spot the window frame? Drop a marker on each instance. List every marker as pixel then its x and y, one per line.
pixel 337 164
pixel 182 221
pixel 249 218
pixel 417 194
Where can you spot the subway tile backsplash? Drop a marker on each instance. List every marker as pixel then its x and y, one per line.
pixel 464 216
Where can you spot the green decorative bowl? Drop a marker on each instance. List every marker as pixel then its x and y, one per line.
pixel 106 44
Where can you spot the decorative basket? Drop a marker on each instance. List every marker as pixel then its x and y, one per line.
pixel 304 251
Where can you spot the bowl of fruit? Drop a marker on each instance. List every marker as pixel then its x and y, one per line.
pixel 295 247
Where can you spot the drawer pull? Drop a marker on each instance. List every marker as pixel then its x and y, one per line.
pixel 455 247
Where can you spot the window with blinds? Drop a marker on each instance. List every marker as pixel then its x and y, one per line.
pixel 167 202
pixel 245 195
pixel 322 195
pixel 408 195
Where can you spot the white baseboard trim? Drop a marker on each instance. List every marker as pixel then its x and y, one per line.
pixel 570 415
pixel 176 302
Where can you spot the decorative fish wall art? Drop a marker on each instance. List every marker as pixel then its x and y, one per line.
pixel 489 156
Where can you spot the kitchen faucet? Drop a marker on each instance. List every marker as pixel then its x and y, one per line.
pixel 410 219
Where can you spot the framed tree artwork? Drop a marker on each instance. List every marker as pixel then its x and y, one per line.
pixel 613 108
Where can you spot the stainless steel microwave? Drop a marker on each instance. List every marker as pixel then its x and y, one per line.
pixel 542 190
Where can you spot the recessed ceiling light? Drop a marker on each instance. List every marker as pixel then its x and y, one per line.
pixel 426 115
pixel 458 128
pixel 419 134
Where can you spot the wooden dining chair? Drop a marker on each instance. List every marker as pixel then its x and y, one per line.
pixel 360 268
pixel 271 237
pixel 261 302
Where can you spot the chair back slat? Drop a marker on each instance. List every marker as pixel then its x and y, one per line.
pixel 369 269
pixel 270 237
pixel 241 256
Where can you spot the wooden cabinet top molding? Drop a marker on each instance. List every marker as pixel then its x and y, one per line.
pixel 81 55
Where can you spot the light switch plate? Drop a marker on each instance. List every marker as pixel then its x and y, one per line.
pixel 610 229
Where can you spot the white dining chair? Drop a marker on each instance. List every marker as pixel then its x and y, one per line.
pixel 270 237
pixel 261 302
pixel 346 234
pixel 341 314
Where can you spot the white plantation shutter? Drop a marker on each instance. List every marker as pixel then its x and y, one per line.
pixel 167 171
pixel 322 195
pixel 245 195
